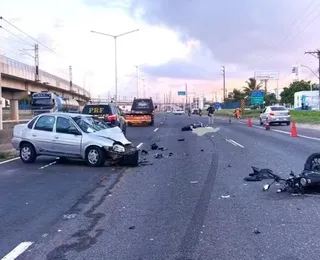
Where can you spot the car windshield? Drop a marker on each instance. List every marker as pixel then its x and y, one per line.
pixel 88 124
pixel 278 109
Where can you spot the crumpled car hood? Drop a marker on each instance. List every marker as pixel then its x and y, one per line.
pixel 114 133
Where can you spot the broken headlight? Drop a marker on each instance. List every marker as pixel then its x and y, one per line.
pixel 118 148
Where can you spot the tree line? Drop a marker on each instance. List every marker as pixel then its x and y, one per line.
pixel 286 96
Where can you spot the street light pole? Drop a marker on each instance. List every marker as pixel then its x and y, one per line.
pixel 137 81
pixel 115 57
pixel 224 82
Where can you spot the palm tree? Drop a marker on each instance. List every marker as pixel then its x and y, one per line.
pixel 251 86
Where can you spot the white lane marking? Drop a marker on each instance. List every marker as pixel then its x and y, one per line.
pixel 234 143
pixel 281 131
pixel 10 160
pixel 18 250
pixel 139 145
pixel 52 163
pixel 309 137
pixel 155 130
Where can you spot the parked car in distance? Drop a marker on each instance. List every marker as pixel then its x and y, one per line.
pixel 69 135
pixel 179 112
pixel 275 114
pixel 108 113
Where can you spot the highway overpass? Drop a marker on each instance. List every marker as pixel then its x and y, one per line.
pixel 19 80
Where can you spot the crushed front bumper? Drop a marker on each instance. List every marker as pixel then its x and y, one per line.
pixel 130 157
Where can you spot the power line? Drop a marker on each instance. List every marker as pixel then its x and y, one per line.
pixel 22 40
pixel 1 18
pixel 286 37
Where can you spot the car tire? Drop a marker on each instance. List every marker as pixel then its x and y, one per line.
pixel 288 123
pixel 261 123
pixel 27 153
pixel 95 156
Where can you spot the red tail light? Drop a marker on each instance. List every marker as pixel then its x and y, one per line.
pixel 271 114
pixel 112 118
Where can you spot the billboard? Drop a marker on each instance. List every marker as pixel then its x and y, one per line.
pixel 257 97
pixel 263 75
pixel 181 93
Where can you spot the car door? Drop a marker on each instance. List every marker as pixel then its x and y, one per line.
pixel 66 143
pixel 263 115
pixel 42 134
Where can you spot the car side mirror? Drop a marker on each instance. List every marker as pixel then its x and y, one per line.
pixel 74 131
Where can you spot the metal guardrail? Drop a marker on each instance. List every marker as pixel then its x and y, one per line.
pixel 21 70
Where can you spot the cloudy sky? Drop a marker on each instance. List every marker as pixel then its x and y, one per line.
pixel 179 41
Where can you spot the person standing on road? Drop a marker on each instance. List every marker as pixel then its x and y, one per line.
pixel 211 111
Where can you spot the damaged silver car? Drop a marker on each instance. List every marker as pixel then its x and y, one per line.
pixel 69 135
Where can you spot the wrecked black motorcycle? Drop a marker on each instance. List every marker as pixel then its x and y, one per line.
pixel 307 180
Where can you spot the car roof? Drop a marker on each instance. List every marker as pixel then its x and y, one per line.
pixel 65 114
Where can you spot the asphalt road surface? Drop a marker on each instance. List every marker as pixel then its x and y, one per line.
pixel 192 205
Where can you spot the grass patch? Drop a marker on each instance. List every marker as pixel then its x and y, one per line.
pixel 302 116
pixel 8 155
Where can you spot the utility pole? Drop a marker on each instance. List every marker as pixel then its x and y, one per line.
pixel 317 55
pixel 70 77
pixel 223 70
pixel 186 95
pixel 36 60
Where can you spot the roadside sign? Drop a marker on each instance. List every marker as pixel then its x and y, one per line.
pixel 181 93
pixel 264 75
pixel 257 97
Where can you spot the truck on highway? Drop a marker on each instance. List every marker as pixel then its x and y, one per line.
pixel 142 112
pixel 47 102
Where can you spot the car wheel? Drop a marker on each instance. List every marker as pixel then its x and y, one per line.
pixel 95 156
pixel 288 123
pixel 261 123
pixel 28 153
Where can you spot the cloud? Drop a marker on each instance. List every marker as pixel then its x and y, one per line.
pixel 252 34
pixel 178 69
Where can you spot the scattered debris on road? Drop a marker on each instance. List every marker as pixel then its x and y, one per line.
pixel 225 196
pixel 154 146
pixel 256 231
pixel 158 156
pixel 144 152
pixel 193 182
pixel 132 227
pixel 69 216
pixel 181 139
pixel 258 175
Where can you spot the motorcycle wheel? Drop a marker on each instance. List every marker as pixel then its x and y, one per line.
pixel 313 162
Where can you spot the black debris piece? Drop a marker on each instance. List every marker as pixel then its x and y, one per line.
pixel 132 227
pixel 259 175
pixel 181 139
pixel 154 146
pixel 144 152
pixel 170 154
pixel 162 149
pixel 256 231
pixel 201 150
pixel 229 165
pixel 191 127
pixel 158 156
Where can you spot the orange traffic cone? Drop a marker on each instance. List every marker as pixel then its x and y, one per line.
pixel 267 124
pixel 249 122
pixel 294 130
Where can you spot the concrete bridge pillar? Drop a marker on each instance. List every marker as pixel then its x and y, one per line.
pixel 14 109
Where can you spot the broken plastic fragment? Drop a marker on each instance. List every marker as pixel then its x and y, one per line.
pixel 158 156
pixel 225 196
pixel 181 139
pixel 154 146
pixel 193 182
pixel 256 231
